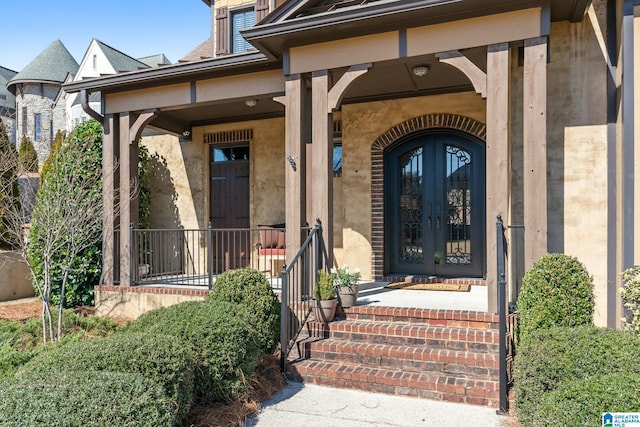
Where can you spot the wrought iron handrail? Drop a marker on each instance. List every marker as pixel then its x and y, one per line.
pixel 298 279
pixel 507 315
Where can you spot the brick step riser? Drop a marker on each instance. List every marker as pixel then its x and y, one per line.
pixel 409 365
pixel 462 345
pixel 443 323
pixel 444 389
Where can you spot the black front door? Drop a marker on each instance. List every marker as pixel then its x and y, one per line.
pixel 434 205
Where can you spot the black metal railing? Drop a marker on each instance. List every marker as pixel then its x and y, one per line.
pixel 507 310
pixel 298 280
pixel 194 257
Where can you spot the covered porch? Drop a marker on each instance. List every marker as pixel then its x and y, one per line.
pixel 407 69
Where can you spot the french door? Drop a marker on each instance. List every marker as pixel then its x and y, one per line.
pixel 435 206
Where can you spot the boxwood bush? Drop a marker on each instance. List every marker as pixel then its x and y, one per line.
pixel 552 357
pixel 226 349
pixel 556 291
pixel 84 398
pixel 250 287
pixel 164 359
pixel 581 403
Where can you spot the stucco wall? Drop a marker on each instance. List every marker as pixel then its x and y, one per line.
pixel 361 125
pixel 15 279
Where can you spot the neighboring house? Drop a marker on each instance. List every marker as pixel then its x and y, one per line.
pixel 444 115
pixel 101 60
pixel 40 100
pixel 8 103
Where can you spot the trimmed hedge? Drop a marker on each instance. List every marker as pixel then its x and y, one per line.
pixel 226 348
pixel 250 287
pixel 556 291
pixel 84 398
pixel 581 403
pixel 551 357
pixel 161 358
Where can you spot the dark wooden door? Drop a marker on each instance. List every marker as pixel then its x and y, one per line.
pixel 230 207
pixel 434 205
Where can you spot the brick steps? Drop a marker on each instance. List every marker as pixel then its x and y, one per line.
pixel 392 381
pixel 409 334
pixel 435 354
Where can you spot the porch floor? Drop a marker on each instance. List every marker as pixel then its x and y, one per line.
pixel 375 294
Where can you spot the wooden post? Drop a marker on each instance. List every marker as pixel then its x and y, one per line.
pixel 535 149
pixel 322 147
pixel 294 164
pixel 125 200
pixel 108 200
pixel 497 155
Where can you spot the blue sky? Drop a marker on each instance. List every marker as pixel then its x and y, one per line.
pixel 135 27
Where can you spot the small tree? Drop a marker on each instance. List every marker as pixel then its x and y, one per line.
pixel 27 156
pixel 9 193
pixel 56 144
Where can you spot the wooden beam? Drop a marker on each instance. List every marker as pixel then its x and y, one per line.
pixel 338 89
pixel 535 149
pixel 472 71
pixel 108 200
pixel 322 148
pixel 294 164
pixel 497 156
pixel 125 205
pixel 141 121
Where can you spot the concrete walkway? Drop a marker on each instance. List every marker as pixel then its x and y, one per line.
pixel 315 406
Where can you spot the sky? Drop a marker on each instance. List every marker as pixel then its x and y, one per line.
pixel 136 27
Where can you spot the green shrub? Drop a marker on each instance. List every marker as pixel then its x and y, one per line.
pixel 56 145
pixel 556 291
pixel 27 156
pixel 9 192
pixel 11 359
pixel 251 288
pixel 325 289
pixel 226 349
pixel 583 402
pixel 630 294
pixel 162 358
pixel 551 357
pixel 84 398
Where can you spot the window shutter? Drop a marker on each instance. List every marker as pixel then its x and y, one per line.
pixel 262 9
pixel 222 31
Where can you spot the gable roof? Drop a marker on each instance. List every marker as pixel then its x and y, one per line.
pixel 51 65
pixel 121 62
pixel 154 61
pixel 6 75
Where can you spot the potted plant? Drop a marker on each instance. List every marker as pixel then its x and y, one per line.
pixel 346 284
pixel 324 294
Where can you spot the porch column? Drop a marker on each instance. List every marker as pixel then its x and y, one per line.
pixel 497 155
pixel 535 149
pixel 125 200
pixel 322 148
pixel 108 199
pixel 294 164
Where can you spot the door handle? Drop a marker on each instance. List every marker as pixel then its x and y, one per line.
pixel 429 221
pixel 438 222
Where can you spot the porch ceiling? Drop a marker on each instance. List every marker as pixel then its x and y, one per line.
pixel 385 80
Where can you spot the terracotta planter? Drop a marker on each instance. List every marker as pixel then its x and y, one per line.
pixel 324 310
pixel 348 297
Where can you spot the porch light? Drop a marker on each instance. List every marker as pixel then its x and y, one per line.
pixel 420 70
pixel 250 102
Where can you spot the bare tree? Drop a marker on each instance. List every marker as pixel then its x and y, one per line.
pixel 68 217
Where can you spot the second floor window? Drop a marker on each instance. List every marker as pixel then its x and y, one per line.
pixel 241 19
pixel 37 129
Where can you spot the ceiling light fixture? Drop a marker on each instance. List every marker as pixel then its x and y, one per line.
pixel 250 102
pixel 420 70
